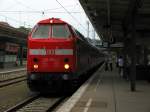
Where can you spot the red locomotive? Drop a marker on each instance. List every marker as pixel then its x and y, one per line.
pixel 58 55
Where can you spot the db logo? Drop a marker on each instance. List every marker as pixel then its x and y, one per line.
pixel 50 51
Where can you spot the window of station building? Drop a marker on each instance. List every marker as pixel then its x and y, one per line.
pixel 41 32
pixel 60 31
pixel 10 58
pixel 1 57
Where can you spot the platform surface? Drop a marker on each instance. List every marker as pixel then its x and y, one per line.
pixel 108 92
pixel 17 68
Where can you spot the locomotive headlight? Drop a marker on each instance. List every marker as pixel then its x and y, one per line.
pixel 35 66
pixel 66 66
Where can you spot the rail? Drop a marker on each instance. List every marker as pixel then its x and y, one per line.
pixel 37 103
pixel 12 77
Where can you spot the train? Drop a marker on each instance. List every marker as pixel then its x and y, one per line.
pixel 58 56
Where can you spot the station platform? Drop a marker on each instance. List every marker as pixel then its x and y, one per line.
pixel 106 91
pixel 13 69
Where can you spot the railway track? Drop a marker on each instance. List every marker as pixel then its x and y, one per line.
pixel 37 104
pixel 12 77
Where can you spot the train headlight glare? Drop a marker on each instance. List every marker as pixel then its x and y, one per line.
pixel 35 66
pixel 51 21
pixel 66 66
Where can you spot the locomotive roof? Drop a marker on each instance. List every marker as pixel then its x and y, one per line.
pixel 52 21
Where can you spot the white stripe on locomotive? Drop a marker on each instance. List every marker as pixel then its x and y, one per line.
pixel 51 51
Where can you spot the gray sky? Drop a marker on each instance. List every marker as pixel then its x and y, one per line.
pixel 28 12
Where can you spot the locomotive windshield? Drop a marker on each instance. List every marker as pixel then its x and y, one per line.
pixel 41 31
pixel 60 31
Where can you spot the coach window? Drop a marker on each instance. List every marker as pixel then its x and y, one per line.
pixel 41 31
pixel 60 31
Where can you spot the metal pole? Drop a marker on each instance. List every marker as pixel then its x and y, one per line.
pixel 133 57
pixel 87 29
pixel 94 37
pixel 21 55
pixel 108 11
pixel 145 55
pixel 125 54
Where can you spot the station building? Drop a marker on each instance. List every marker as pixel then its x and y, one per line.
pixel 12 46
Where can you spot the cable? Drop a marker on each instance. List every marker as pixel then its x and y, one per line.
pixel 9 7
pixel 17 21
pixel 57 8
pixel 18 2
pixel 70 15
pixel 63 12
pixel 35 12
pixel 21 11
pixel 11 19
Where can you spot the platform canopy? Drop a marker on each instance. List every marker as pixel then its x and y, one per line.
pixel 113 19
pixel 11 34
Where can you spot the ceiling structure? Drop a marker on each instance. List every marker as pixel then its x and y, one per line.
pixel 113 19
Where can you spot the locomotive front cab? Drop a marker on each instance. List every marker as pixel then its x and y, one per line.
pixel 51 54
pixel 51 48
